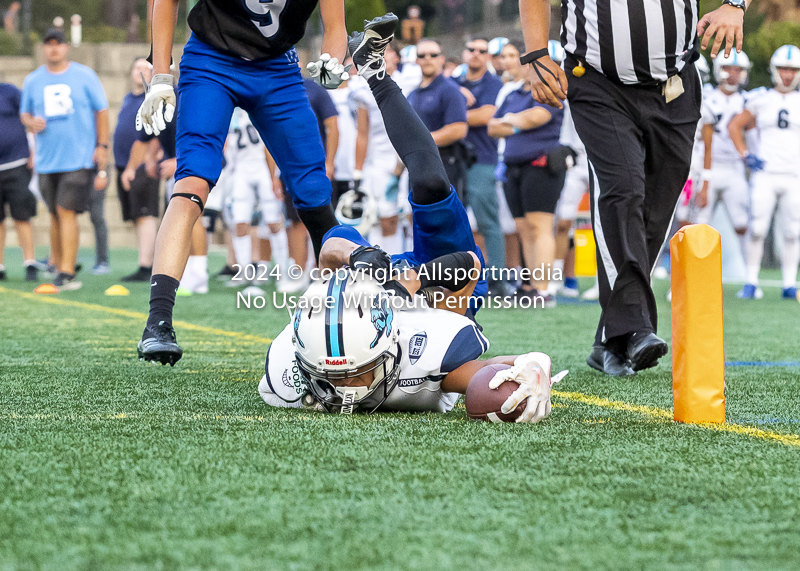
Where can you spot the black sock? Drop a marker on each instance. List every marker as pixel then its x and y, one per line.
pixel 317 221
pixel 146 269
pixel 412 140
pixel 162 298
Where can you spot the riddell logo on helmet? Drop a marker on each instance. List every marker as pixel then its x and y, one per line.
pixel 340 361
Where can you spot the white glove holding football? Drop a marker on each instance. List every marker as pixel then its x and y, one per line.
pixel 158 106
pixel 532 372
pixel 328 72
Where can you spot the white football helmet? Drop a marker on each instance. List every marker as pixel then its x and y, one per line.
pixel 344 328
pixel 702 68
pixel 785 56
pixel 357 209
pixel 555 51
pixel 735 59
pixel 496 45
pixel 408 54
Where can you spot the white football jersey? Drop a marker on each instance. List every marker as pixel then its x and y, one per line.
pixel 345 161
pixel 433 343
pixel 718 110
pixel 751 137
pixel 778 123
pixel 379 147
pixel 244 147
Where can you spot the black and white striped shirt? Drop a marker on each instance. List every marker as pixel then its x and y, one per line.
pixel 630 41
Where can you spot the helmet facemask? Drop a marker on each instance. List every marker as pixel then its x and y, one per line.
pixel 331 388
pixel 346 342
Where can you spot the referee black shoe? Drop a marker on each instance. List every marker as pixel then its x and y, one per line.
pixel 645 349
pixel 609 362
pixel 367 47
pixel 159 344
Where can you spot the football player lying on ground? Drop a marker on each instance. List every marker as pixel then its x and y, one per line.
pixel 349 347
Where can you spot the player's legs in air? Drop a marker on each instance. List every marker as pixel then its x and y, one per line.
pixel 440 221
pixel 211 85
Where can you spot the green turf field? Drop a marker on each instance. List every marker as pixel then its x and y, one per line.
pixel 109 463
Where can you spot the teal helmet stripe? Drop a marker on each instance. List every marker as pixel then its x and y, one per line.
pixel 334 335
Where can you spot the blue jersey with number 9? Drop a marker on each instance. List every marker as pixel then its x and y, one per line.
pixel 251 29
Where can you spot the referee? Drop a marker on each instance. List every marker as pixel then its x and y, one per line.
pixel 635 98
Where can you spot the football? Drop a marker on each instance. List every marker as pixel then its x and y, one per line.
pixel 483 403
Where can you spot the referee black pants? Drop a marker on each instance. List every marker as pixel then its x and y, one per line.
pixel 639 149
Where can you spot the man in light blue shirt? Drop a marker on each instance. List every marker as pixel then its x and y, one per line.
pixel 64 103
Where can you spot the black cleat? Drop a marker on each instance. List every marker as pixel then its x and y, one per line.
pixel 140 275
pixel 609 362
pixel 595 358
pixel 645 349
pixel 31 273
pixel 159 344
pixel 66 282
pixel 367 47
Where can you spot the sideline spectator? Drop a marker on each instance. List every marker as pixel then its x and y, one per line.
pixel 534 183
pixel 64 103
pixel 481 87
pixel 137 189
pixel 15 174
pixel 443 108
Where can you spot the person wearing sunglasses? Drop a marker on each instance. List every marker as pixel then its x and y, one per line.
pixel 481 87
pixel 443 108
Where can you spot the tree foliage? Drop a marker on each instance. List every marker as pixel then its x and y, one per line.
pixel 356 11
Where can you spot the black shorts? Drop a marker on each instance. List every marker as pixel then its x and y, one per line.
pixel 142 199
pixel 209 219
pixel 339 188
pixel 14 192
pixel 532 189
pixel 70 190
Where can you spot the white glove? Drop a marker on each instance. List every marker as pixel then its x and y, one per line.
pixel 328 72
pixel 532 372
pixel 158 106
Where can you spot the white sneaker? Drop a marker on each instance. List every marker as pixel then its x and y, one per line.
pixel 591 294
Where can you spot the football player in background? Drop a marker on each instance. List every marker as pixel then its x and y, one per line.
pixel 723 177
pixel 376 160
pixel 775 170
pixel 240 54
pixel 365 355
pixel 251 192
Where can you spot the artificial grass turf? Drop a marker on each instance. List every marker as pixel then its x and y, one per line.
pixel 109 463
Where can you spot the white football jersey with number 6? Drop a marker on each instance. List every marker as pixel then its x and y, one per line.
pixel 778 123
